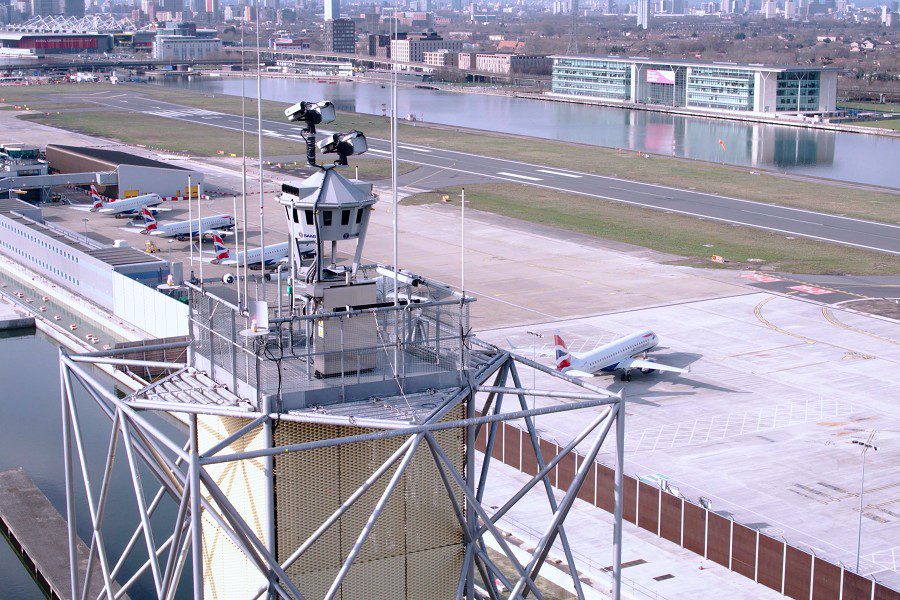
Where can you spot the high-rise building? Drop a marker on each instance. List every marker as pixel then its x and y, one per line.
pixel 340 36
pixel 43 8
pixel 788 9
pixel 677 7
pixel 769 9
pixel 643 14
pixel 73 8
pixel 332 10
pixel 456 5
pixel 212 7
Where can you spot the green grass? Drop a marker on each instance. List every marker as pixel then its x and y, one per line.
pixel 680 173
pixel 878 106
pixel 885 124
pixel 694 239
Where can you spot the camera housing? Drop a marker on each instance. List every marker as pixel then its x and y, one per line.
pixel 311 113
pixel 344 145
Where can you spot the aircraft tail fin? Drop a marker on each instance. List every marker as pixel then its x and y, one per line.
pixel 149 220
pixel 563 358
pixel 220 248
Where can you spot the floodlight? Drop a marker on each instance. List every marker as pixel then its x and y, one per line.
pixel 344 145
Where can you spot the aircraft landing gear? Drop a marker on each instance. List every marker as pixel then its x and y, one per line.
pixel 626 376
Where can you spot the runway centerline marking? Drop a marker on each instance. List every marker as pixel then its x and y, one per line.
pixel 519 176
pixel 549 172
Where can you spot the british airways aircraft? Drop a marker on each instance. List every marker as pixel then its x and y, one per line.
pixel 622 355
pixel 124 207
pixel 183 230
pixel 272 255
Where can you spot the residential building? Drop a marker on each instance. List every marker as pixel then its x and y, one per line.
pixel 466 60
pixel 441 58
pixel 705 87
pixel 340 36
pixel 413 48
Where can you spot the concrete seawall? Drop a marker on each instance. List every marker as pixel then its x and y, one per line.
pixel 11 319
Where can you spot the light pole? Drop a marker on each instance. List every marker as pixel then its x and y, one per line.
pixel 862 487
pixel 85 221
pixel 534 338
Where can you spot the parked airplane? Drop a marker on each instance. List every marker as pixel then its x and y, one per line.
pixel 125 207
pixel 183 230
pixel 619 355
pixel 624 355
pixel 272 255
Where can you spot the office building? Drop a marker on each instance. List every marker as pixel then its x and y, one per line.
pixel 507 64
pixel 332 10
pixel 182 41
pixel 413 48
pixel 705 87
pixel 340 36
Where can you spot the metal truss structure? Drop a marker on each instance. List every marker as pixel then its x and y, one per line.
pixel 62 24
pixel 180 466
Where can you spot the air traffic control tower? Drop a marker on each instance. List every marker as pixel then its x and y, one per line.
pixel 328 447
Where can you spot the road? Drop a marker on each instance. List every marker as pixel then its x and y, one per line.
pixel 858 233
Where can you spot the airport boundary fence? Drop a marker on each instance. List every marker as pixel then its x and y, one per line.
pixel 767 560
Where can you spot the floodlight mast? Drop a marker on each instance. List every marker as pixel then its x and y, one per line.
pixel 321 113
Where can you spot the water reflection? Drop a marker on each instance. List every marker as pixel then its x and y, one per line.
pixel 847 156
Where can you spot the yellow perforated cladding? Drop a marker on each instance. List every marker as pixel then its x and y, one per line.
pixel 227 572
pixel 415 548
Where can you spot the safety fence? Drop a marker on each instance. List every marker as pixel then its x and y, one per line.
pixel 769 561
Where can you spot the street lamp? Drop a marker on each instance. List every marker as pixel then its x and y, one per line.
pixel 534 338
pixel 862 486
pixel 85 221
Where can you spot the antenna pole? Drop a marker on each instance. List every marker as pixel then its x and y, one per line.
pixel 237 263
pixel 199 235
pixel 462 245
pixel 262 218
pixel 191 223
pixel 243 166
pixel 394 152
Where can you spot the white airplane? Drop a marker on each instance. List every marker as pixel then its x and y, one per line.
pixel 272 255
pixel 183 230
pixel 129 207
pixel 624 354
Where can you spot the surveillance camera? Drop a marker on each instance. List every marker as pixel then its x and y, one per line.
pixel 312 113
pixel 228 278
pixel 344 145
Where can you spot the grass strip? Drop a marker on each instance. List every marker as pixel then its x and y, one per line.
pixel 696 240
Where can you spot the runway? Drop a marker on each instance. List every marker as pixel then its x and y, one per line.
pixel 870 235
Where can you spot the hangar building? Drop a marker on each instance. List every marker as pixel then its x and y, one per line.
pixel 136 174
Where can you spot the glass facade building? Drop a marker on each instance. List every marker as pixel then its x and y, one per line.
pixel 594 78
pixel 797 91
pixel 708 87
pixel 723 88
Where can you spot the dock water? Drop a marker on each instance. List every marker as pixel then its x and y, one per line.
pixel 38 534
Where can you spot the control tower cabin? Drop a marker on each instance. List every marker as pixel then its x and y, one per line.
pixel 328 439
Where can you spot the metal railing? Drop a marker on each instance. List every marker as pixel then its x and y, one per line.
pixel 329 350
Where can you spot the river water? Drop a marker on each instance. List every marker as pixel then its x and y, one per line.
pixel 30 437
pixel 849 157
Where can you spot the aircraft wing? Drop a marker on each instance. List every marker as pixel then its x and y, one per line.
pixel 576 373
pixel 637 363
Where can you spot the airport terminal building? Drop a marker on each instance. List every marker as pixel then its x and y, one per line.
pixel 727 88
